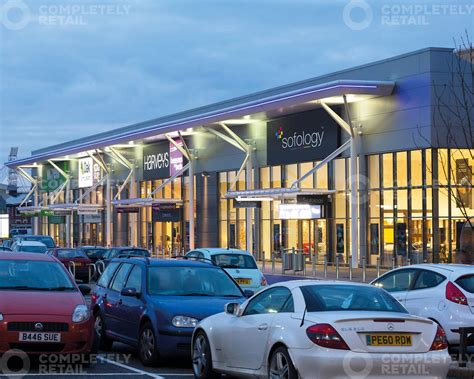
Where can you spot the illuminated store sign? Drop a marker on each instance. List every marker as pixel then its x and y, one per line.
pixel 162 160
pixel 299 211
pixel 307 136
pixel 86 175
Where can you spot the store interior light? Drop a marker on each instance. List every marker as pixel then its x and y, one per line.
pixel 131 142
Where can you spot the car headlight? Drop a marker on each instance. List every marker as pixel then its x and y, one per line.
pixel 184 322
pixel 81 314
pixel 1 316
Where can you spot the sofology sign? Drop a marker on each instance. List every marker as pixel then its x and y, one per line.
pixel 301 137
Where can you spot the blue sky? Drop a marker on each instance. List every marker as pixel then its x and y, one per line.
pixel 74 68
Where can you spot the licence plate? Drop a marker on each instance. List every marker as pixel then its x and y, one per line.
pixel 243 281
pixel 39 337
pixel 388 340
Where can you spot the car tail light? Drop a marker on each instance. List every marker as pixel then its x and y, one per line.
pixel 326 336
pixel 454 294
pixel 263 281
pixel 93 298
pixel 440 341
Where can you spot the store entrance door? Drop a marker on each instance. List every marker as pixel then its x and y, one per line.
pixel 168 236
pixel 314 238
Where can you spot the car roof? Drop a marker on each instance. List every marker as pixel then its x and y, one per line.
pixel 220 250
pixel 92 247
pixel 442 267
pixel 311 282
pixel 157 262
pixel 32 235
pixel 128 248
pixel 30 243
pixel 26 257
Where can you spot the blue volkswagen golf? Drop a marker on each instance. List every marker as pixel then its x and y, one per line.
pixel 154 305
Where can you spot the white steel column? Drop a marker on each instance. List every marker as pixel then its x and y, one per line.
pixel 69 216
pixel 354 203
pixel 108 209
pixel 133 217
pixel 248 211
pixel 191 203
pixel 36 203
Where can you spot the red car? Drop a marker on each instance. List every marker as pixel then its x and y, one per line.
pixel 80 259
pixel 42 310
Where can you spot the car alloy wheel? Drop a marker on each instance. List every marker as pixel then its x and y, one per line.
pixel 201 358
pixel 103 343
pixel 199 355
pixel 281 366
pixel 147 344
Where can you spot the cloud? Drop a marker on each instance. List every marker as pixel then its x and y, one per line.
pixel 59 83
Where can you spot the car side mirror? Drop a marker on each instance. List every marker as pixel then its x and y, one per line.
pixel 248 293
pixel 232 308
pixel 85 289
pixel 130 292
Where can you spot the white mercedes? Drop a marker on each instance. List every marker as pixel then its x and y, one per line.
pixel 319 329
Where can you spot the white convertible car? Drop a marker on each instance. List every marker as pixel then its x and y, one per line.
pixel 319 329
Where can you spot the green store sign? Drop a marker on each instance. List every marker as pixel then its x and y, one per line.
pixel 51 179
pixel 47 212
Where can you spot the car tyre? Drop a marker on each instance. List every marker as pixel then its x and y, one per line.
pixel 202 358
pixel 102 341
pixel 281 366
pixel 147 347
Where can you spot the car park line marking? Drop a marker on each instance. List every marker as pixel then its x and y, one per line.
pixel 136 370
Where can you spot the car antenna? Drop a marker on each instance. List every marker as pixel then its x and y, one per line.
pixel 304 315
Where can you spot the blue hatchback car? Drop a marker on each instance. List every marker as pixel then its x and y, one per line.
pixel 154 305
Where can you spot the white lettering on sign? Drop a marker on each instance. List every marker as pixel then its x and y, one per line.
pixel 299 212
pixel 302 140
pixel 156 161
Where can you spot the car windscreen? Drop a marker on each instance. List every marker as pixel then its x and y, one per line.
pixel 466 283
pixel 94 253
pixel 70 254
pixel 242 261
pixel 48 241
pixel 33 249
pixel 34 275
pixel 191 281
pixel 324 298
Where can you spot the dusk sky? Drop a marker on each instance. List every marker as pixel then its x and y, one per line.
pixel 74 68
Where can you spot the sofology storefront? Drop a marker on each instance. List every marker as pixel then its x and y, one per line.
pixel 357 164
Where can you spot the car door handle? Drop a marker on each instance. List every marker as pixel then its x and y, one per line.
pixel 120 302
pixel 263 327
pixel 399 299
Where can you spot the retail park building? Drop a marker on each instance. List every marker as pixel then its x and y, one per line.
pixel 282 168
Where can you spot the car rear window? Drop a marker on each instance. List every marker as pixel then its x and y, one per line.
pixel 107 275
pixel 71 254
pixel 48 241
pixel 324 298
pixel 466 283
pixel 135 252
pixel 191 281
pixel 95 253
pixel 33 249
pixel 242 261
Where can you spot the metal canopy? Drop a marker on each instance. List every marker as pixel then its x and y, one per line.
pixel 144 202
pixel 276 193
pixel 266 101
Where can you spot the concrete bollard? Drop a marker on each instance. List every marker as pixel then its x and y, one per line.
pixel 378 267
pixel 364 269
pixel 273 262
pixel 263 261
pixel 313 265
pixel 393 263
pixel 337 266
pixel 350 267
pixel 325 266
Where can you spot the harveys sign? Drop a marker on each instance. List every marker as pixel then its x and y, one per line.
pixel 162 160
pixel 307 136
